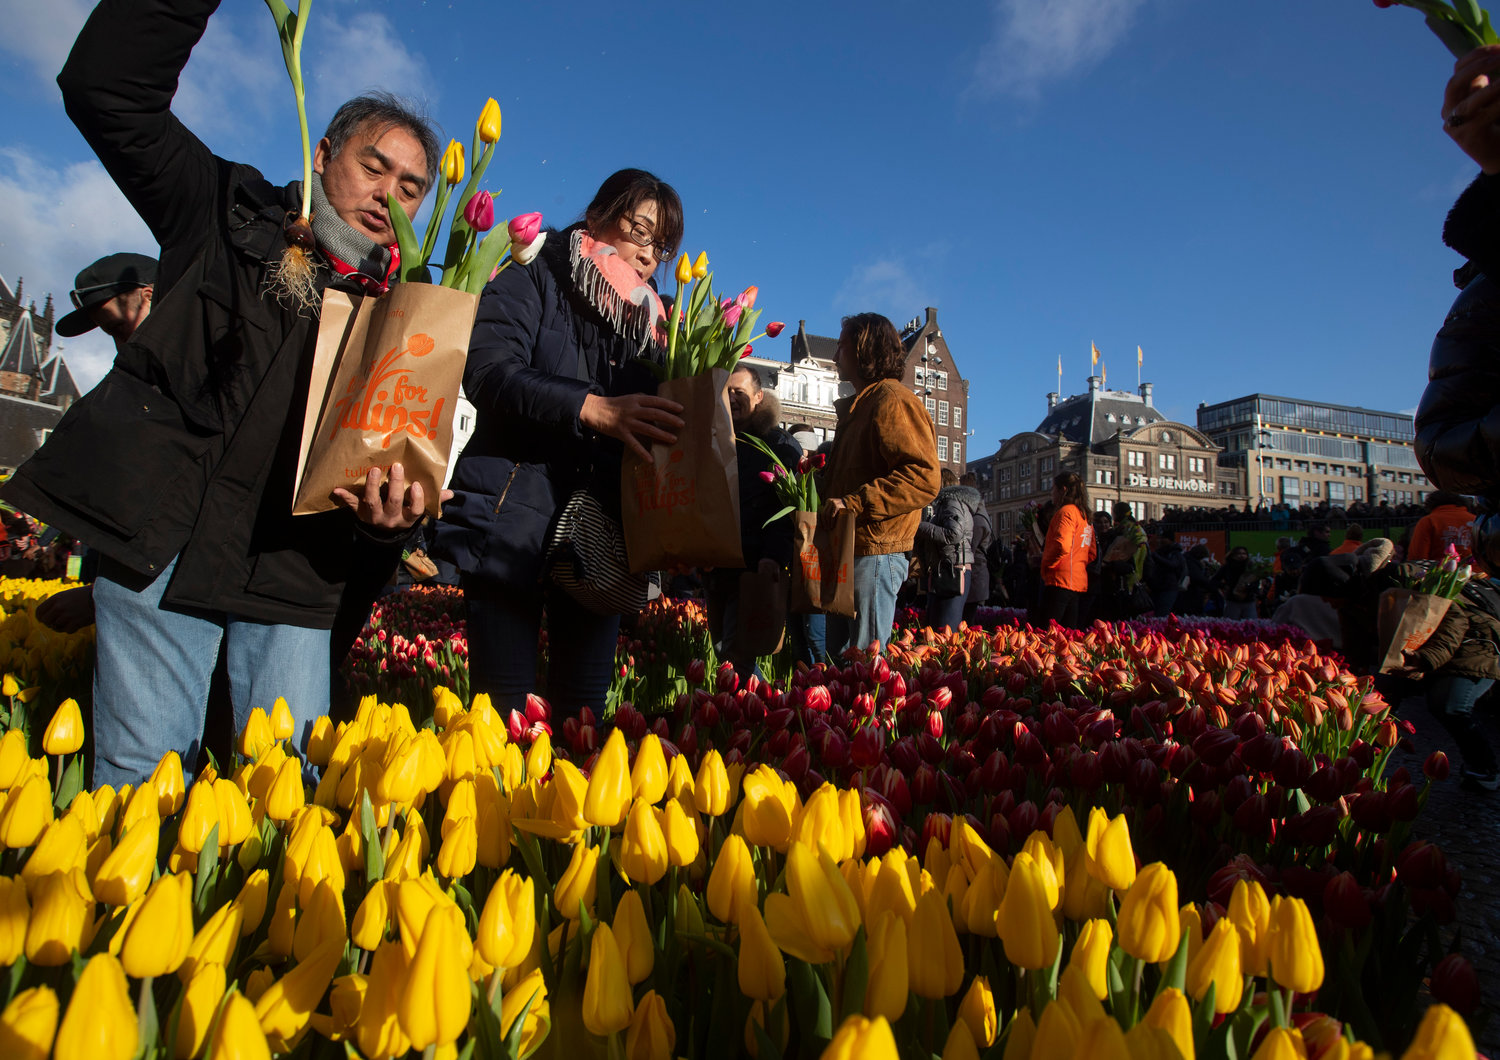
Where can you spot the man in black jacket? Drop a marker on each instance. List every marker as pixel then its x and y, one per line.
pixel 178 467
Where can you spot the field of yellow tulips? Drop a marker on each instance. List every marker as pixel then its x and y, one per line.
pixel 1004 843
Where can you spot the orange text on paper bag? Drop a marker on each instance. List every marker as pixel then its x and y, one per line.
pixel 386 402
pixel 812 567
pixel 666 491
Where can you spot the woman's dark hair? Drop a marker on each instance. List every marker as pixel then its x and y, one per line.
pixel 621 195
pixel 878 353
pixel 1438 498
pixel 948 477
pixel 1072 491
pixel 387 112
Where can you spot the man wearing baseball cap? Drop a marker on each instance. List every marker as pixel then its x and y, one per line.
pixel 113 294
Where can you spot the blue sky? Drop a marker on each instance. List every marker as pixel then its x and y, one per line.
pixel 1252 192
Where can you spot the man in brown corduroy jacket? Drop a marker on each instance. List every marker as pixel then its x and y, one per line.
pixel 884 470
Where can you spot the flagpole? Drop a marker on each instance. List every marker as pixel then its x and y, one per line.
pixel 1139 357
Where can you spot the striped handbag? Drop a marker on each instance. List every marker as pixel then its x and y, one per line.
pixel 586 559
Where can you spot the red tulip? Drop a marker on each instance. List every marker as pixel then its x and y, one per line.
pixel 1436 766
pixel 479 211
pixel 774 328
pixel 1455 984
pixel 1345 904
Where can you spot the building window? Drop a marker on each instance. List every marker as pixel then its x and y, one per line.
pixel 942 380
pixel 1005 474
pixel 1045 464
pixel 1336 492
pixel 1005 493
pixel 1135 458
pixel 1300 465
pixel 920 375
pixel 1101 504
pixel 958 415
pixel 942 414
pixel 1291 490
pixel 942 447
pixel 1138 509
pixel 1283 465
pixel 1314 489
pixel 958 452
pixel 1103 477
pixel 1167 461
pixel 1197 465
pixel 932 409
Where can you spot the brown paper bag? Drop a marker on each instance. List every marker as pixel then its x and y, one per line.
pixel 384 386
pixel 1405 619
pixel 683 508
pixel 823 573
pixel 761 621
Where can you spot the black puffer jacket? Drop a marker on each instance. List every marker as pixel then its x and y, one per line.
pixel 537 350
pixel 1458 419
pixel 758 498
pixel 188 446
pixel 947 535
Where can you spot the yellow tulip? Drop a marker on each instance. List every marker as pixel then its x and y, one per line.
pixel 100 1023
pixel 320 742
pixel 1170 1013
pixel 460 850
pixel 15 913
pixel 256 738
pixel 1091 955
pixel 700 266
pixel 684 270
pixel 1441 1035
pixel 531 988
pixel 1021 1036
pixel 1025 917
pixel 14 760
pixel 27 813
pixel 215 941
pixel 283 725
pixel 1073 987
pixel 648 775
pixel 823 899
pixel 435 1001
pixel 372 917
pixel 578 883
pixel 1148 925
pixel 492 821
pixel 1108 856
pixel 85 810
pixel 62 848
pixel 312 854
pixel 762 971
pixel 252 901
pixel 859 1038
pixel 10 686
pixel 607 1005
pixel 200 1001
pixel 287 795
pixel 568 789
pixel 539 757
pixel 64 733
pixel 199 817
pixel 507 927
pixel 1102 1039
pixel 258 982
pixel 680 832
pixel 28 1024
pixel 1280 1044
pixel 1145 1042
pixel 960 1044
pixel 488 126
pixel 123 876
pixel 162 930
pixel 651 1035
pixel 400 772
pixel 1218 964
pixel 320 921
pixel 711 792
pixel 170 786
pixel 1057 1032
pixel 1295 957
pixel 235 819
pixel 689 918
pixel 60 916
pixel 633 937
pixel 643 850
pixel 731 884
pixel 414 901
pixel 820 823
pixel 889 981
pixel 608 795
pixel 1250 912
pixel 237 1035
pixel 981 899
pixel 935 964
pixel 287 1005
pixel 281 932
pixel 977 1011
pixel 378 1032
pixel 1191 922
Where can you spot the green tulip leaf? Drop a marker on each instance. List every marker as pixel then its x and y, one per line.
pixel 71 784
pixel 856 976
pixel 374 855
pixel 208 866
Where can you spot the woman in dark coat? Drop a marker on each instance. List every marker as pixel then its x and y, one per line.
pixel 559 389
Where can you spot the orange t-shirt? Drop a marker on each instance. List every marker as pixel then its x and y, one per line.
pixel 1444 525
pixel 1070 540
pixel 1347 546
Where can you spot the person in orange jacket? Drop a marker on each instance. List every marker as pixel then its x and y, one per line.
pixel 1447 522
pixel 1066 554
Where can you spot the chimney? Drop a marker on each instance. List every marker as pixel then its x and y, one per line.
pixel 799 342
pixel 931 317
pixel 1146 393
pixel 1052 401
pixel 1094 384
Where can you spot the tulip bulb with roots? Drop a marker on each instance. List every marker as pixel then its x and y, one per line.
pixel 293 278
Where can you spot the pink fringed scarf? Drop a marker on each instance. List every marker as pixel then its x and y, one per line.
pixel 617 291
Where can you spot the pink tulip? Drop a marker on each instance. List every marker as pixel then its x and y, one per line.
pixel 774 328
pixel 747 297
pixel 767 476
pixel 731 313
pixel 479 211
pixel 524 227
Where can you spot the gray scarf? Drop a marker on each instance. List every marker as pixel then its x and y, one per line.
pixel 335 237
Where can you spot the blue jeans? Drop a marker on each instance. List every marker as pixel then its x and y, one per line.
pixel 809 635
pixel 154 666
pixel 1451 700
pixel 504 625
pixel 944 611
pixel 877 579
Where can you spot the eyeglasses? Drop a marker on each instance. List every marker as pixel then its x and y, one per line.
pixel 641 236
pixel 119 288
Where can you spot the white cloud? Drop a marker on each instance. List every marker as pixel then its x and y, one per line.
pixel 54 223
pixel 360 53
pixel 884 286
pixel 1037 41
pixel 40 35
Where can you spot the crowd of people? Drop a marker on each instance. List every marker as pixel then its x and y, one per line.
pixel 1280 515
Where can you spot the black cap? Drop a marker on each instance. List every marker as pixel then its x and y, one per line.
pixel 101 281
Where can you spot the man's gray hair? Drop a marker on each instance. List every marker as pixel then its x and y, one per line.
pixel 386 111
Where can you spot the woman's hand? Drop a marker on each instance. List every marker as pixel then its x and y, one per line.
pixel 389 507
pixel 632 417
pixel 832 506
pixel 1471 107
